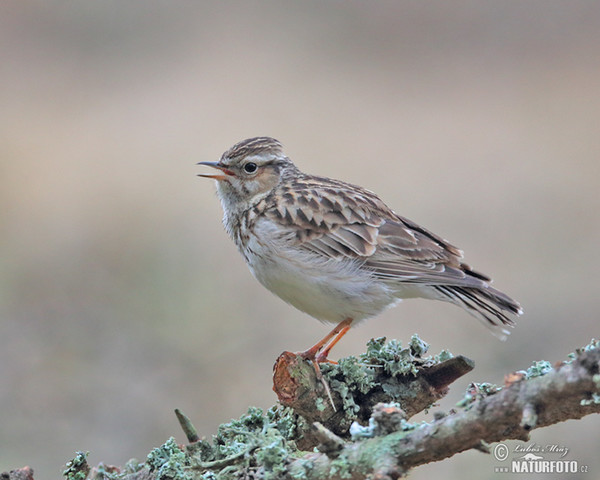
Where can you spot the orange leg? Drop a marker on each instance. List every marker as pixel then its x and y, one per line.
pixel 322 356
pixel 319 351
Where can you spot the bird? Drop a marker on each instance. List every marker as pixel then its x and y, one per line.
pixel 335 250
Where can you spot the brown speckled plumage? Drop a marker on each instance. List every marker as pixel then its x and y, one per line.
pixel 291 227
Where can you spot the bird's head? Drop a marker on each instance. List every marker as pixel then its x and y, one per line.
pixel 249 171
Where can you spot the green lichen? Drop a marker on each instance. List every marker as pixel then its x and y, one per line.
pixel 443 356
pixel 417 346
pixel 210 475
pixel 358 377
pixel 396 360
pixel 396 389
pixel 239 435
pixel 320 404
pixel 260 437
pixel 594 343
pixel 341 467
pixel 285 421
pixel 475 391
pixel 274 457
pixel 348 402
pixel 348 378
pixel 301 468
pixel 133 466
pixel 110 472
pixel 106 472
pixel 254 437
pixel 169 462
pixel 200 451
pixel 78 468
pixel 538 369
pixel 391 356
pixel 359 432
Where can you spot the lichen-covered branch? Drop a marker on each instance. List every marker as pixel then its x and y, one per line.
pixel 357 436
pixel 339 395
pixel 570 391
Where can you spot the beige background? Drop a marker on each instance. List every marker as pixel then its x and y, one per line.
pixel 121 296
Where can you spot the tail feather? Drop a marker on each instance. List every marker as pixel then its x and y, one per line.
pixel 493 308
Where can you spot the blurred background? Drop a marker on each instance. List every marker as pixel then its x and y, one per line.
pixel 122 297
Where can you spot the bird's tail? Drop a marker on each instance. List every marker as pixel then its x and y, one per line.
pixel 493 308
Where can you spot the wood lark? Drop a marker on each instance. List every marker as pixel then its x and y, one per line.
pixel 335 250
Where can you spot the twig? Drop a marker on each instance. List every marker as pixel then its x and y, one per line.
pixel 187 426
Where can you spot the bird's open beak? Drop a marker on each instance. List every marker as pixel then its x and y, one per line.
pixel 226 171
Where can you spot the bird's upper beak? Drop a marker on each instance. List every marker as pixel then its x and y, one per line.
pixel 225 170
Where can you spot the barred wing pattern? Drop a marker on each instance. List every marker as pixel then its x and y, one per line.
pixel 350 223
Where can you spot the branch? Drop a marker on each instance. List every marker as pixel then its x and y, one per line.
pixel 356 437
pixel 569 392
pixel 346 393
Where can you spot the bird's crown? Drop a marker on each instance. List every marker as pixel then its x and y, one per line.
pixel 256 146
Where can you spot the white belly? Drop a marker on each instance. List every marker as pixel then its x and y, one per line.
pixel 328 290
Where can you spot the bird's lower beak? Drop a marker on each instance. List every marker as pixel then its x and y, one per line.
pixel 226 171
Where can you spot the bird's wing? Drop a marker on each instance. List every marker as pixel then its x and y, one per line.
pixel 410 253
pixel 346 222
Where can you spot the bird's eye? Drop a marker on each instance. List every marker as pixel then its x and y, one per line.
pixel 250 167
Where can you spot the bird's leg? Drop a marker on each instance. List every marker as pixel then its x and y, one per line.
pixel 338 332
pixel 322 356
pixel 319 351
